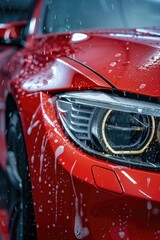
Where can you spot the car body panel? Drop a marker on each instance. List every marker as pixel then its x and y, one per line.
pixel 62 192
pixel 11 30
pixel 65 191
pixel 129 64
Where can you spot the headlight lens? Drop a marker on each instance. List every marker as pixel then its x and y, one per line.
pixel 114 128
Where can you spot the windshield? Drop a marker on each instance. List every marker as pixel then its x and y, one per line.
pixel 64 16
pixel 15 10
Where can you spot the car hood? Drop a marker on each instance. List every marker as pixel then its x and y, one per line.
pixel 129 60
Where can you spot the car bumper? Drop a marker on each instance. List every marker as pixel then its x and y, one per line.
pixel 78 196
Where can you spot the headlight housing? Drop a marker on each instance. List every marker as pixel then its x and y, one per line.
pixel 122 130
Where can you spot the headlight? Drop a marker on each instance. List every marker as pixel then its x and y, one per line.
pixel 118 129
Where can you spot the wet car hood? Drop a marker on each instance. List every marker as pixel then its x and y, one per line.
pixel 129 60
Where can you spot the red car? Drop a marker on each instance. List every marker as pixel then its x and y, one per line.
pixel 80 121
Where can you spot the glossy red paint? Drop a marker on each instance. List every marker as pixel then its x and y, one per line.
pixel 77 195
pixel 4 225
pixel 11 30
pixel 129 64
pixel 106 179
pixel 65 188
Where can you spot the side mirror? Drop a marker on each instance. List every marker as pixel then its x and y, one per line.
pixel 12 33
